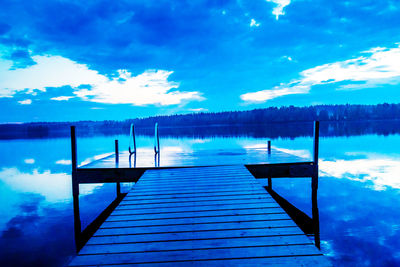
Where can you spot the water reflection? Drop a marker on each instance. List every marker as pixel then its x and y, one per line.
pixel 358 191
pixel 375 170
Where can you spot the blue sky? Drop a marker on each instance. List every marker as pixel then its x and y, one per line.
pixel 95 60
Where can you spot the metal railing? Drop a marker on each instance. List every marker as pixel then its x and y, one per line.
pixel 156 140
pixel 132 140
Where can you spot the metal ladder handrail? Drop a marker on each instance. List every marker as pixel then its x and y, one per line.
pixel 156 139
pixel 132 137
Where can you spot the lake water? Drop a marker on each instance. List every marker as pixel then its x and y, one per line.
pixel 358 197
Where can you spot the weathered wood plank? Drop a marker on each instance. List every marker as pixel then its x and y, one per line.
pixel 134 193
pixel 174 209
pixel 197 214
pixel 197 220
pixel 211 226
pixel 195 235
pixel 201 199
pixel 202 254
pixel 213 243
pixel 184 195
pixel 306 260
pixel 133 205
pixel 196 185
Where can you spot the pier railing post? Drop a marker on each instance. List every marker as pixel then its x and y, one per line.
pixel 156 140
pixel 315 155
pixel 116 165
pixel 75 190
pixel 269 146
pixel 269 176
pixel 314 185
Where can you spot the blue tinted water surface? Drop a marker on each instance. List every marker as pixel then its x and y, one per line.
pixel 359 194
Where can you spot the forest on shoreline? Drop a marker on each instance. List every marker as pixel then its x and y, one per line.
pixel 335 114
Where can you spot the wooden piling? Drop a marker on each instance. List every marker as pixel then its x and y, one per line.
pixel 116 165
pixel 75 190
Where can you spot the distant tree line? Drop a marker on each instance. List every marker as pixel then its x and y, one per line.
pixel 241 122
pixel 275 114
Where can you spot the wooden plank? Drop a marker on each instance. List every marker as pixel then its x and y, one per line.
pixel 196 185
pixel 213 243
pixel 201 254
pixel 196 175
pixel 197 214
pixel 193 179
pixel 281 170
pixel 306 260
pixel 149 229
pixel 174 209
pixel 188 181
pixel 138 192
pixel 200 199
pixel 212 215
pixel 185 195
pixel 195 220
pixel 133 205
pixel 174 236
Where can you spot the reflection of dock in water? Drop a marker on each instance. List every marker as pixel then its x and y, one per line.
pixel 182 211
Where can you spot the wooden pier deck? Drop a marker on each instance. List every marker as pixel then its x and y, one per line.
pixel 217 215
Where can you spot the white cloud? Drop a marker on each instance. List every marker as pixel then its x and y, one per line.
pixel 150 87
pixel 29 161
pixel 25 102
pixel 379 66
pixel 197 109
pixel 381 171
pixel 62 98
pixel 280 5
pixel 265 95
pixel 253 23
pixel 56 187
pixel 63 162
pixel 376 67
pixel 49 71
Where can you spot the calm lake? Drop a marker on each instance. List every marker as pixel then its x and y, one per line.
pixel 358 197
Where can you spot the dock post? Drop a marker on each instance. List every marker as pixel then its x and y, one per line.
pixel 269 147
pixel 314 187
pixel 75 190
pixel 315 156
pixel 269 176
pixel 116 165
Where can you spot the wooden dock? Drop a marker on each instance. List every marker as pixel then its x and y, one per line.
pixel 199 216
pixel 186 212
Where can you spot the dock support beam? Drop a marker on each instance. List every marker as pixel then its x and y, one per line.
pixel 269 154
pixel 75 189
pixel 116 165
pixel 314 187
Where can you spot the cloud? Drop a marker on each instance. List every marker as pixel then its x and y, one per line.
pixel 29 161
pixel 379 170
pixel 25 102
pixel 253 23
pixel 197 109
pixel 376 67
pixel 150 87
pixel 62 98
pixel 265 95
pixel 280 5
pixel 63 162
pixel 55 187
pixel 49 71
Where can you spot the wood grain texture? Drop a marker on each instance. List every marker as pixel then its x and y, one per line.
pixel 208 216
